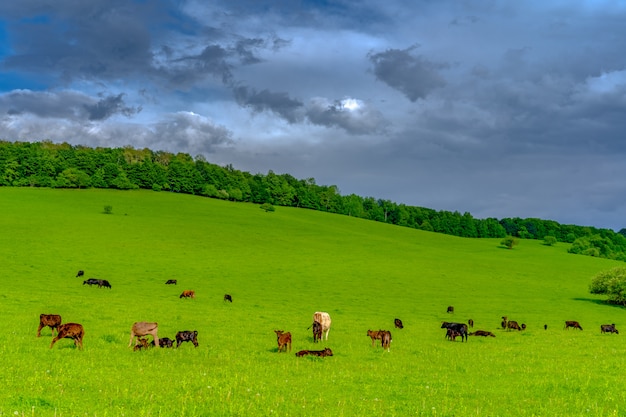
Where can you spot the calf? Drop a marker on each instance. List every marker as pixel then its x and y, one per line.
pixel 80 273
pixel 228 298
pixel 374 335
pixel 608 328
pixel 513 325
pixel 319 353
pixel 143 328
pixel 452 334
pixel 70 331
pixel 385 339
pixel 284 340
pixel 171 282
pixel 91 281
pixel 471 323
pixel 504 321
pixel 317 331
pixel 450 309
pixel 398 324
pixel 49 320
pixel 574 324
pixel 461 328
pixel 142 343
pixel 103 283
pixel 482 333
pixel 187 336
pixel 188 294
pixel 324 319
pixel 164 342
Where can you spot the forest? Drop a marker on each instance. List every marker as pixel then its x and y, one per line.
pixel 61 165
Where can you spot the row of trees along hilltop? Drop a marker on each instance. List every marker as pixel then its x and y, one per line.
pixel 61 165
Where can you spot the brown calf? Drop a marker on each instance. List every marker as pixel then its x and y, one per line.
pixel 471 323
pixel 482 333
pixel 284 340
pixel 320 353
pixel 574 324
pixel 70 331
pixel 188 294
pixel 49 320
pixel 374 335
pixel 385 339
pixel 513 325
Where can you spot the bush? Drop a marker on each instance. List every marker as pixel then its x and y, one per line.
pixel 611 283
pixel 108 209
pixel 508 242
pixel 267 207
pixel 549 240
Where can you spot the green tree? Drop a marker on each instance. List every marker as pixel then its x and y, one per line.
pixel 549 240
pixel 508 242
pixel 611 283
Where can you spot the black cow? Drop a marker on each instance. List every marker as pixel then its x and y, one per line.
pixel 80 273
pixel 164 342
pixel 92 281
pixel 450 309
pixel 398 324
pixel 461 328
pixel 103 283
pixel 574 324
pixel 320 353
pixel 227 297
pixel 187 336
pixel 608 328
pixel 171 282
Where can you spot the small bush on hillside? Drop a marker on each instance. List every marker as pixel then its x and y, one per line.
pixel 549 240
pixel 267 207
pixel 108 209
pixel 508 242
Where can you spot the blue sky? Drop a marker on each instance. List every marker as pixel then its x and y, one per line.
pixel 498 108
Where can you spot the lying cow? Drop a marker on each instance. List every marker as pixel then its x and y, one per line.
pixel 320 353
pixel 513 325
pixel 188 294
pixel 228 298
pixel 482 333
pixel 143 328
pixel 283 339
pixel 398 324
pixel 608 328
pixel 574 324
pixel 187 336
pixel 91 281
pixel 171 282
pixel 49 320
pixel 461 328
pixel 70 331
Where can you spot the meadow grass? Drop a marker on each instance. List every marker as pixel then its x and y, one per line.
pixel 281 267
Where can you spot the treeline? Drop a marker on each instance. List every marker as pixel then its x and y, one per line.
pixel 61 165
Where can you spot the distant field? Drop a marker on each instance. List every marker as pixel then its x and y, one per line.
pixel 281 267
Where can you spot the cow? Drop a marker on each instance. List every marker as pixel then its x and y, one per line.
pixel 513 325
pixel 523 326
pixel 143 328
pixel 164 342
pixel 228 298
pixel 187 336
pixel 385 339
pixel 91 281
pixel 317 331
pixel 103 283
pixel 471 323
pixel 49 320
pixel 450 309
pixel 545 327
pixel 70 331
pixel 398 324
pixel 482 333
pixel 324 319
pixel 80 273
pixel 452 334
pixel 284 340
pixel 374 335
pixel 142 344
pixel 458 327
pixel 608 328
pixel 319 353
pixel 505 320
pixel 574 324
pixel 171 282
pixel 188 294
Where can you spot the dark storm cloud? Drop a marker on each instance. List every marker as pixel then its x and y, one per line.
pixel 259 101
pixel 414 76
pixel 354 117
pixel 108 106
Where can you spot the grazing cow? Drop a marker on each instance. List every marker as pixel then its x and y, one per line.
pixel 505 320
pixel 458 327
pixel 80 273
pixel 471 323
pixel 187 336
pixel 227 297
pixel 385 339
pixel 50 320
pixel 284 340
pixel 374 335
pixel 164 342
pixel 317 331
pixel 171 282
pixel 103 283
pixel 92 281
pixel 513 325
pixel 143 328
pixel 608 328
pixel 398 324
pixel 324 319
pixel 482 333
pixel 545 327
pixel 70 331
pixel 319 353
pixel 450 309
pixel 188 294
pixel 452 334
pixel 574 324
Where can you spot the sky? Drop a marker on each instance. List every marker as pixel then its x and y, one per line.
pixel 496 108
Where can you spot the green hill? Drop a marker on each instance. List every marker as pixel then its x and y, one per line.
pixel 280 267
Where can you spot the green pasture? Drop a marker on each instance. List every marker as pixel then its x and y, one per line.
pixel 280 267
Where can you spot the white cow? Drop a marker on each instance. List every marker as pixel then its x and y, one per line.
pixel 324 319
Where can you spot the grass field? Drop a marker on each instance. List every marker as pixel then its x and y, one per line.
pixel 280 268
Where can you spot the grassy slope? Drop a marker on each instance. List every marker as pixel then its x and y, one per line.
pixel 281 267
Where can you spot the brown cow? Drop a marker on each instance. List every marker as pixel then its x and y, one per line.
pixel 142 344
pixel 608 328
pixel 574 324
pixel 452 334
pixel 482 333
pixel 374 335
pixel 284 340
pixel 324 319
pixel 471 323
pixel 142 328
pixel 320 353
pixel 398 324
pixel 317 331
pixel 70 331
pixel 188 294
pixel 513 325
pixel 49 320
pixel 385 339
pixel 505 320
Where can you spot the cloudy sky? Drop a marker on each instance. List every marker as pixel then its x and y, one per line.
pixel 497 108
